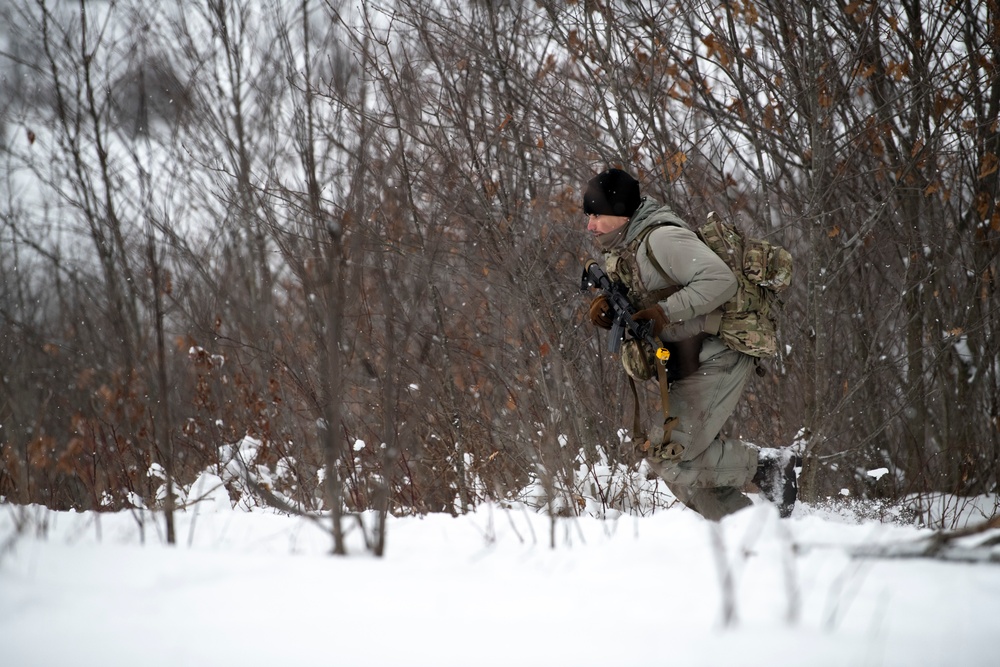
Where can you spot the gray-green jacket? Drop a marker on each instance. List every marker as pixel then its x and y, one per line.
pixel 685 260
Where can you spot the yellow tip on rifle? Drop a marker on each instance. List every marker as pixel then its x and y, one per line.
pixel 663 354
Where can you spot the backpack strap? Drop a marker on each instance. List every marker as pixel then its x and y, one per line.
pixel 655 262
pixel 713 322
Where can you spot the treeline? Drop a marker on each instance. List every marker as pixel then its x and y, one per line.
pixel 353 232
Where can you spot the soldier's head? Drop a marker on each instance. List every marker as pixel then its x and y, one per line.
pixel 609 200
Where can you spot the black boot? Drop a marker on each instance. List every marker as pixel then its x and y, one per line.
pixel 776 478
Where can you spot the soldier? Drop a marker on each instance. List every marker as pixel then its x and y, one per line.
pixel 678 283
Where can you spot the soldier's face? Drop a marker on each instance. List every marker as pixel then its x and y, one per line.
pixel 602 224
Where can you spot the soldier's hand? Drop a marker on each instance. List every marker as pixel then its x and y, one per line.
pixel 600 312
pixel 655 315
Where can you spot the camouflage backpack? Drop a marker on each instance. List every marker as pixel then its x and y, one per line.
pixel 762 270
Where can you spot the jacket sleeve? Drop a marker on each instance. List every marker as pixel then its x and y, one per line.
pixel 707 282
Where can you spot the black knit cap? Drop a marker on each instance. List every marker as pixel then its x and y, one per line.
pixel 612 192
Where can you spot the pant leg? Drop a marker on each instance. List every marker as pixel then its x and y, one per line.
pixel 713 504
pixel 711 470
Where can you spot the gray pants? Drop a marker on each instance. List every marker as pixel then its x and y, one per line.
pixel 711 471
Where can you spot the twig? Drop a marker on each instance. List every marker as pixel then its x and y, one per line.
pixel 941 546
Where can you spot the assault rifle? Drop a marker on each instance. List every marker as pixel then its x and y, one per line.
pixel 622 311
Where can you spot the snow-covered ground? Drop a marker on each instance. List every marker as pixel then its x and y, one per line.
pixel 259 588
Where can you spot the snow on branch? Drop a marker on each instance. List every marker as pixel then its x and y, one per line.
pixel 979 543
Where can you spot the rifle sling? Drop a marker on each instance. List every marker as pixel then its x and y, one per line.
pixel 669 424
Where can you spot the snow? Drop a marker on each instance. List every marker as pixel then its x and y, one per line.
pixel 260 588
